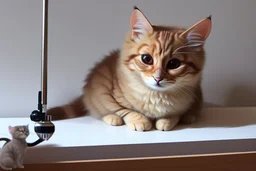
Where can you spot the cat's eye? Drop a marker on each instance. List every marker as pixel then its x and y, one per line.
pixel 147 59
pixel 174 63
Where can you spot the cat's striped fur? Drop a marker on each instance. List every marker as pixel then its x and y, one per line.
pixel 136 86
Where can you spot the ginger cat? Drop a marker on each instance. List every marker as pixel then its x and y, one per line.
pixel 153 80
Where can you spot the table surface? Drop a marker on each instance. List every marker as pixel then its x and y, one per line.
pixel 89 138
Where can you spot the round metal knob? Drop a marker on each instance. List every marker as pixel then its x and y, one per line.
pixel 44 129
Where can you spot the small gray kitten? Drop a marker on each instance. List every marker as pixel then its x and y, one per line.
pixel 13 152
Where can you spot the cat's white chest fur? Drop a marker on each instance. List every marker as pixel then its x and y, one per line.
pixel 159 104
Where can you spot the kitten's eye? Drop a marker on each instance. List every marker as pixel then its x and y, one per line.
pixel 173 63
pixel 147 59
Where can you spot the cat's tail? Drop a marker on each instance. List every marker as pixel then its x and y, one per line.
pixel 7 140
pixel 73 109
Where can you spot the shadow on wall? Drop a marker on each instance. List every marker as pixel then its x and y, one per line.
pixel 241 95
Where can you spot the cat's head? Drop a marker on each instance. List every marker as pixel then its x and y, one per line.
pixel 165 57
pixel 19 132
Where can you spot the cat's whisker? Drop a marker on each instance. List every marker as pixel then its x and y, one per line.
pixel 189 86
pixel 193 94
pixel 185 93
pixel 185 88
pixel 169 81
pixel 190 53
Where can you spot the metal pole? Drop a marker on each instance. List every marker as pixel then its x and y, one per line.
pixel 44 55
pixel 44 128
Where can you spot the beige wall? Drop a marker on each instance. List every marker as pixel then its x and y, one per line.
pixel 82 31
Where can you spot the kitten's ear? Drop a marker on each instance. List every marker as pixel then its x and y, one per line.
pixel 139 24
pixel 10 129
pixel 200 30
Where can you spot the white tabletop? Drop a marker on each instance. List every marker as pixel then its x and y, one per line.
pixel 89 138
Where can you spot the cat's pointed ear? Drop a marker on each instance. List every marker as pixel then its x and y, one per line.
pixel 10 129
pixel 139 24
pixel 200 30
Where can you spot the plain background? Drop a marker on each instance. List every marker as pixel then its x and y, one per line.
pixel 81 32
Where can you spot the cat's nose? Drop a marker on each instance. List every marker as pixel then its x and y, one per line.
pixel 158 79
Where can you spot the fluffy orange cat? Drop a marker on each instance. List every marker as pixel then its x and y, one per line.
pixel 154 80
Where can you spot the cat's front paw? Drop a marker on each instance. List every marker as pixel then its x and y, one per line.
pixel 19 166
pixel 137 121
pixel 5 168
pixel 140 125
pixel 113 120
pixel 166 124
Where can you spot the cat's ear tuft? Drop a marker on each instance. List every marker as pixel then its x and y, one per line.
pixel 139 24
pixel 10 129
pixel 201 30
pixel 135 7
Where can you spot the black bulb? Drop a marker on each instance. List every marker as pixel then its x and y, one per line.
pixel 36 116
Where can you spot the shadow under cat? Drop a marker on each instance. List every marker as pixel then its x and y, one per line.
pixel 223 117
pixel 239 96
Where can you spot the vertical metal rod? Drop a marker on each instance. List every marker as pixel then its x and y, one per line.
pixel 44 55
